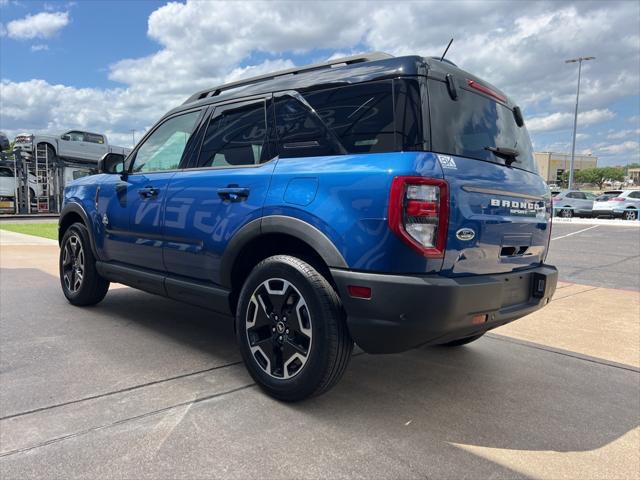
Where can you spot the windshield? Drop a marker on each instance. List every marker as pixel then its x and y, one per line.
pixel 472 124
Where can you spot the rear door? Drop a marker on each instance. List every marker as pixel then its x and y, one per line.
pixel 499 208
pixel 224 189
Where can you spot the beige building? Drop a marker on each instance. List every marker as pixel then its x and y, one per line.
pixel 634 175
pixel 552 165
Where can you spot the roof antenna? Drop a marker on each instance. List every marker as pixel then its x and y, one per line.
pixel 446 49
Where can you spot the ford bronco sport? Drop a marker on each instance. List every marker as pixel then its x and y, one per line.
pixel 390 201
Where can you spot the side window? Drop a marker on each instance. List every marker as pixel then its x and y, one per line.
pixel 590 196
pixel 300 131
pixel 163 149
pixel 634 194
pixel 580 195
pixel 361 116
pixel 5 172
pixel 93 138
pixel 236 136
pixel 75 136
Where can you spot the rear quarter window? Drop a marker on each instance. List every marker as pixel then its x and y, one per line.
pixel 471 123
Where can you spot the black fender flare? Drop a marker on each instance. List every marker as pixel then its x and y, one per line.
pixel 75 207
pixel 279 224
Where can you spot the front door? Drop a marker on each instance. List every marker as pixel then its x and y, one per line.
pixel 131 207
pixel 225 189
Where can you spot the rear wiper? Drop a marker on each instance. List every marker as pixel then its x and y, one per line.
pixel 509 154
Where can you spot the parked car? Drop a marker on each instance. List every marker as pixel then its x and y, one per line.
pixel 73 145
pixel 618 204
pixel 311 205
pixel 8 184
pixel 569 203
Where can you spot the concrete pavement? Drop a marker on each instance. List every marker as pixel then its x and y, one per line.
pixel 144 387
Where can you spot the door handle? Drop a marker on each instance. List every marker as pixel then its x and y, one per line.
pixel 233 193
pixel 148 192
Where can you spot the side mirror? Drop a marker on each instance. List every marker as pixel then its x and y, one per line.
pixel 111 163
pixel 65 137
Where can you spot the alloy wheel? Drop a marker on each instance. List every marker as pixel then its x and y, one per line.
pixel 630 215
pixel 73 264
pixel 278 328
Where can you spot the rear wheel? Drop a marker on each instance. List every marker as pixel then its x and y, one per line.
pixel 291 329
pixel 630 214
pixel 81 283
pixel 566 213
pixel 462 341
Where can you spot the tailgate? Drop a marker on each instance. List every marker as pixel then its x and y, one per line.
pixel 499 219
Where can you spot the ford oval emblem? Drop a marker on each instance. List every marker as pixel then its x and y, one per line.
pixel 465 234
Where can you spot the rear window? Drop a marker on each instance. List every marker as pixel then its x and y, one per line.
pixel 471 123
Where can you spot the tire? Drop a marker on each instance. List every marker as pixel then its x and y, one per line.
pixel 630 214
pixel 32 197
pixel 51 153
pixel 462 341
pixel 297 357
pixel 77 260
pixel 566 213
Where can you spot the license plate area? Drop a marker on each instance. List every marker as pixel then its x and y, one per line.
pixel 516 289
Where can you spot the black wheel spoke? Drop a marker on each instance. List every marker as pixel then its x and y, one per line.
pixel 278 328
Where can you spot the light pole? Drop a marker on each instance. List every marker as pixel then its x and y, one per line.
pixel 575 116
pixel 133 137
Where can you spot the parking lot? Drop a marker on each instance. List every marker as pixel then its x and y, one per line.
pixel 144 387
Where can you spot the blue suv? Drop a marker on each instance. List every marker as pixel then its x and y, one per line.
pixel 390 201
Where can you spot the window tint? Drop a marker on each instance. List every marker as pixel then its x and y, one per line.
pixel 473 122
pixel 236 136
pixel 360 116
pixel 163 149
pixel 5 172
pixel 589 196
pixel 300 131
pixel 93 138
pixel 75 136
pixel 634 194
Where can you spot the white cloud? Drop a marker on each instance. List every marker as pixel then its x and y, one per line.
pixel 616 135
pixel 40 25
pixel 518 46
pixel 39 47
pixel 564 120
pixel 624 147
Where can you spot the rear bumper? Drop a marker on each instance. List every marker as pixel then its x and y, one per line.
pixel 408 311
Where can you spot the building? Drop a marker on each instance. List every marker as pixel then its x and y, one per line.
pixel 552 165
pixel 634 175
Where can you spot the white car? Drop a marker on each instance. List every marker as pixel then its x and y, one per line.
pixel 74 145
pixel 622 204
pixel 8 184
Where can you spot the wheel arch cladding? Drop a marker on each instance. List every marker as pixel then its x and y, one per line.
pixel 72 213
pixel 276 235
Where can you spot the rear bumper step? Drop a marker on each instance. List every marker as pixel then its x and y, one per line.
pixel 407 311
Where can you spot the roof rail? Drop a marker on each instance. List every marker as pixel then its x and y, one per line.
pixel 210 92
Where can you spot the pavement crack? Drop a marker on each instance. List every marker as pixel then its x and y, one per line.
pixel 115 392
pixel 574 294
pixel 124 420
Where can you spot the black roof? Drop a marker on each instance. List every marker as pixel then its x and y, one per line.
pixel 355 69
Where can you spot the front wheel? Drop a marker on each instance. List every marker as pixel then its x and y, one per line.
pixel 291 329
pixel 81 283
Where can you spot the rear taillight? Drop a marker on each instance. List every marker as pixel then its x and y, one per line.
pixel 617 199
pixel 419 213
pixel 556 200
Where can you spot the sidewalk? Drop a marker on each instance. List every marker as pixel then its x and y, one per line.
pixel 13 238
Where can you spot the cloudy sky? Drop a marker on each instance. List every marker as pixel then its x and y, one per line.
pixel 116 66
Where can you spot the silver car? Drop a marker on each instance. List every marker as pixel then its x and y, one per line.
pixel 621 204
pixel 570 203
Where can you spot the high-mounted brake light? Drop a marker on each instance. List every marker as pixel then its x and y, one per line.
pixel 486 91
pixel 419 213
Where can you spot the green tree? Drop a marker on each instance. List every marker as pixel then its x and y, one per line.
pixel 598 176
